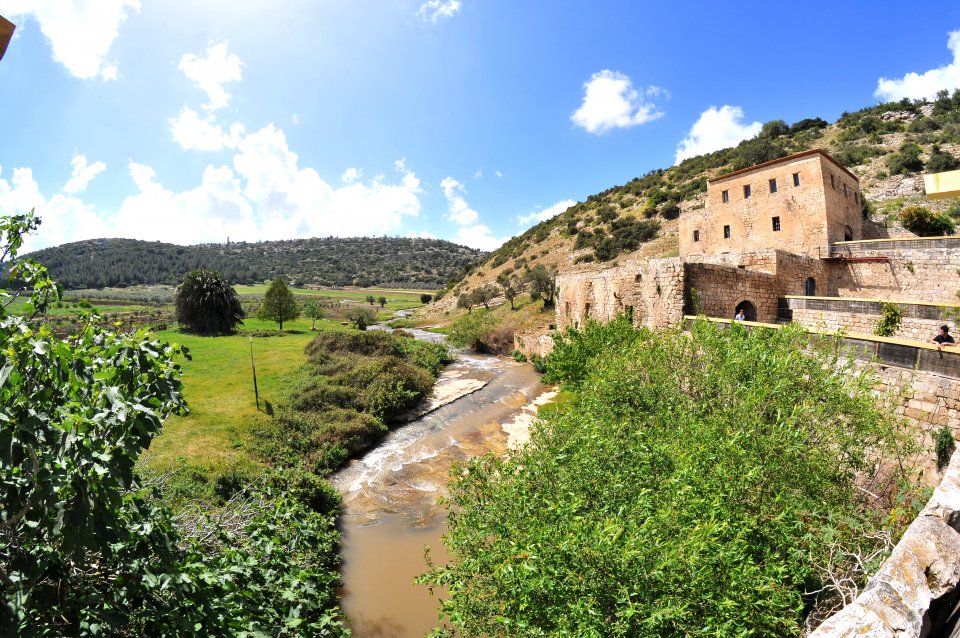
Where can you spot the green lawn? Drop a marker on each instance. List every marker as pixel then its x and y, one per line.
pixel 218 386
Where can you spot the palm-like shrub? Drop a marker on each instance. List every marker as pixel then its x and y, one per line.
pixel 207 304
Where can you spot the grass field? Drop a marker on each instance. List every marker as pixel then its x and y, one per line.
pixel 218 386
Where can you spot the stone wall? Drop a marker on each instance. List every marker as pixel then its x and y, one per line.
pixel 930 274
pixel 910 328
pixel 651 290
pixel 533 343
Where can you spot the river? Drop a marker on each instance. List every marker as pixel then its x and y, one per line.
pixel 390 509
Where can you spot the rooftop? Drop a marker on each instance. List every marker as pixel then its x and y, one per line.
pixel 784 160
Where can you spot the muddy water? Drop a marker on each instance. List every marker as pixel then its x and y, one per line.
pixel 390 495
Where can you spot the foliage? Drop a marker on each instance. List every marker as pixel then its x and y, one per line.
pixel 941 161
pixel 483 295
pixel 944 446
pixel 382 301
pixel 851 155
pixel 278 303
pixel 575 350
pixel 337 404
pixel 510 288
pixel 774 128
pixel 891 316
pixel 542 284
pixel 314 309
pixel 519 356
pixel 906 160
pixel 925 223
pixel 465 301
pixel 539 363
pixel 360 317
pixel 207 304
pixel 696 486
pixel 425 298
pixel 468 331
pixel 332 261
pixel 85 549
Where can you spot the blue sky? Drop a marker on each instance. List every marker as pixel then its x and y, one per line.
pixel 466 120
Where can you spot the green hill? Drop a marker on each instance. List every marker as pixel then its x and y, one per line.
pixel 884 145
pixel 358 261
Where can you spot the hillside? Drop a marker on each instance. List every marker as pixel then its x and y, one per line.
pixel 358 261
pixel 888 146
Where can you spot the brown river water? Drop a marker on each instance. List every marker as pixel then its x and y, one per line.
pixel 390 509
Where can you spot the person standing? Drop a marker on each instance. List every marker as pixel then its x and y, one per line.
pixel 740 316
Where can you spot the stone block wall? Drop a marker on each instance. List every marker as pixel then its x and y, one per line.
pixel 533 343
pixel 931 275
pixel 652 290
pixel 910 328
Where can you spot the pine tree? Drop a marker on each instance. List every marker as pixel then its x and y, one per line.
pixel 278 303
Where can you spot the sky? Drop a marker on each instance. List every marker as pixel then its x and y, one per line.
pixel 466 120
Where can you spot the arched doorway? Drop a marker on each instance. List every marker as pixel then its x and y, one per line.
pixel 810 287
pixel 749 310
pixel 847 233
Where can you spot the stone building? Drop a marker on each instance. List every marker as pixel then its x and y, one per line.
pixel 799 204
pixel 771 240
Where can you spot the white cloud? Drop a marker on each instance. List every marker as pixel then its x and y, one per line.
pixel 459 211
pixel 610 102
pixel 479 236
pixel 211 71
pixel 82 174
pixel 716 129
pixel 545 214
pixel 62 216
pixel 80 32
pixel 433 11
pixel 265 194
pixel 478 174
pixel 351 175
pixel 193 132
pixel 926 84
pixel 499 174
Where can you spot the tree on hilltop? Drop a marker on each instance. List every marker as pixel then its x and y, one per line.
pixel 207 304
pixel 278 304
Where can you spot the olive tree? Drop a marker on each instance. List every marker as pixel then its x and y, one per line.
pixel 279 303
pixel 207 304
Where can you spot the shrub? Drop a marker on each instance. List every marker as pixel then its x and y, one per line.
pixel 468 331
pixel 921 221
pixel 425 298
pixel 944 444
pixel 906 160
pixel 890 319
pixel 940 161
pixel 670 211
pixel 702 481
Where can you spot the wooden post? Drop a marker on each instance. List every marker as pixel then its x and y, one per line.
pixel 253 366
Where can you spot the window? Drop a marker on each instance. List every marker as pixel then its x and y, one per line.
pixel 746 191
pixel 586 310
pixel 833 182
pixel 638 277
pixel 773 186
pixel 568 308
pixel 796 179
pixel 726 232
pixel 696 236
pixel 726 197
pixel 776 224
pixel 844 190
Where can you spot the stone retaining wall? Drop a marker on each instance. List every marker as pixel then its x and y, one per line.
pixel 533 343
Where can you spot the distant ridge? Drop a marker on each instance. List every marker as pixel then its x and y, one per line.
pixel 331 261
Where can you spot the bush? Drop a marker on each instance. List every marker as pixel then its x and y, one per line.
pixel 670 211
pixel 906 160
pixel 702 481
pixel 891 316
pixel 940 161
pixel 944 444
pixel 468 331
pixel 921 221
pixel 425 298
